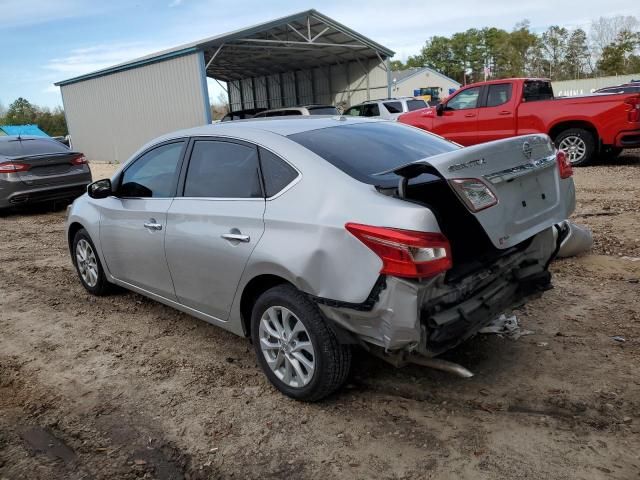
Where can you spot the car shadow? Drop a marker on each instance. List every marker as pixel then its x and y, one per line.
pixel 41 208
pixel 628 158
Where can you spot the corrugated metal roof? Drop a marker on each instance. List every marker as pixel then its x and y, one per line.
pixel 16 130
pixel 401 75
pixel 295 42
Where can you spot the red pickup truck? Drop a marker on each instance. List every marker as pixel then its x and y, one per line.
pixel 583 127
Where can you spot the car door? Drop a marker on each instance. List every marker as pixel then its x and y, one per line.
pixel 133 221
pixel 215 224
pixel 459 118
pixel 496 115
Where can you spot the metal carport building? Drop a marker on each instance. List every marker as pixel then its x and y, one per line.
pixel 300 59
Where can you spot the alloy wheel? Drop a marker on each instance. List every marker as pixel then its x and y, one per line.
pixel 87 263
pixel 287 347
pixel 575 148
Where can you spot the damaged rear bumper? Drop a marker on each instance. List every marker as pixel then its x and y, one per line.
pixel 434 315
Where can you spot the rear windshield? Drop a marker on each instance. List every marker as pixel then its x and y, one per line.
pixel 323 111
pixel 416 105
pixel 535 90
pixel 24 147
pixel 364 149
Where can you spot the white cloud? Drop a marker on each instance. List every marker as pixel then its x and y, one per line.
pixel 20 13
pixel 175 3
pixel 89 59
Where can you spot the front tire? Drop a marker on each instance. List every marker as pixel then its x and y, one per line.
pixel 296 349
pixel 87 263
pixel 579 145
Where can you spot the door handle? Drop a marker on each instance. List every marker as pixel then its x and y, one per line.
pixel 152 225
pixel 470 115
pixel 238 237
pixel 504 112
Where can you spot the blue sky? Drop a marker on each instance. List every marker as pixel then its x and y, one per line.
pixel 44 41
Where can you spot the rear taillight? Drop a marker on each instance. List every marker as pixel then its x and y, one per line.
pixel 474 193
pixel 564 164
pixel 405 253
pixel 633 114
pixel 10 167
pixel 79 160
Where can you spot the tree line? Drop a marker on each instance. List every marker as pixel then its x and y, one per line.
pixel 23 112
pixel 611 47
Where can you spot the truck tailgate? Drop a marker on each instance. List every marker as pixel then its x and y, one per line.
pixel 522 174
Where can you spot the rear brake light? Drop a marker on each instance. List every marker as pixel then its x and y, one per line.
pixel 633 113
pixel 474 193
pixel 405 253
pixel 10 167
pixel 564 164
pixel 79 160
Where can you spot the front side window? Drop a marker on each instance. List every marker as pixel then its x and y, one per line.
pixel 354 111
pixel 393 107
pixel 276 172
pixel 498 94
pixel 154 174
pixel 464 100
pixel 219 169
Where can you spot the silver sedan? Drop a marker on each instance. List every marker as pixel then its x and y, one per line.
pixel 312 236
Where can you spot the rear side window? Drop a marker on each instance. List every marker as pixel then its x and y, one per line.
pixel 276 172
pixel 288 113
pixel 29 146
pixel 498 94
pixel 535 90
pixel 154 174
pixel 219 169
pixel 354 111
pixel 416 105
pixel 364 149
pixel 393 107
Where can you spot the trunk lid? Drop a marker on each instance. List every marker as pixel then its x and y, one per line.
pixel 47 169
pixel 523 175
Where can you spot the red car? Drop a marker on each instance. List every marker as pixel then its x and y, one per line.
pixel 581 126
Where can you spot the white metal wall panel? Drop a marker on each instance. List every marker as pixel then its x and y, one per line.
pixel 571 88
pixel 235 99
pixel 304 82
pixel 262 94
pixel 321 87
pixel 275 93
pixel 247 92
pixel 289 89
pixel 110 117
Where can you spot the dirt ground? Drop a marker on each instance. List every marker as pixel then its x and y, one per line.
pixel 123 387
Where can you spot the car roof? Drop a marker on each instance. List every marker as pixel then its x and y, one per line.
pixel 11 138
pixel 280 125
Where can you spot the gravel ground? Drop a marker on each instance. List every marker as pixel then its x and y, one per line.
pixel 123 387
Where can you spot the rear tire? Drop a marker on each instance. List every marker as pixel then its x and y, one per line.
pixel 87 262
pixel 296 349
pixel 579 145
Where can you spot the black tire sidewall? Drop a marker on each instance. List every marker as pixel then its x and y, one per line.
pixel 101 287
pixel 311 318
pixel 589 141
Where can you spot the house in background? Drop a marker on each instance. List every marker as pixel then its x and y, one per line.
pixel 424 82
pixel 22 130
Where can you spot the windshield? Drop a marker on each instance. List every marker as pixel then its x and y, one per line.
pixel 364 149
pixel 30 146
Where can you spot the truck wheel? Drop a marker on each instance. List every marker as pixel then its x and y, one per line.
pixel 578 144
pixel 295 347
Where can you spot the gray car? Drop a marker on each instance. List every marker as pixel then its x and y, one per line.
pixel 314 235
pixel 37 169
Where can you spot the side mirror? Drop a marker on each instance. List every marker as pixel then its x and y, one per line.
pixel 439 109
pixel 100 189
